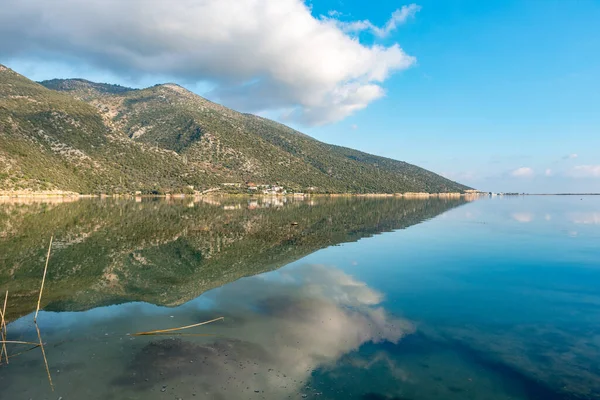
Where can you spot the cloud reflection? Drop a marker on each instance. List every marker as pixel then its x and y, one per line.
pixel 278 331
pixel 586 218
pixel 522 217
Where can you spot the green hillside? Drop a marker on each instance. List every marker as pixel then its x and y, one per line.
pixel 89 137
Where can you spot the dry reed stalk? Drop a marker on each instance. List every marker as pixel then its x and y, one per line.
pixel 175 334
pixel 16 342
pixel 175 329
pixel 44 355
pixel 4 330
pixel 43 280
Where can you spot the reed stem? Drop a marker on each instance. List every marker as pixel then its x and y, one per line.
pixel 176 329
pixel 174 334
pixel 44 354
pixel 16 342
pixel 43 280
pixel 4 330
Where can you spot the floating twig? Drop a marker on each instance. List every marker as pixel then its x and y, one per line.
pixel 43 280
pixel 176 329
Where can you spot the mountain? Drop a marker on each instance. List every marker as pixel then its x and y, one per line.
pixel 90 137
pixel 169 252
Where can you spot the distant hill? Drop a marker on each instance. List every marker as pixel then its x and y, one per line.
pixel 91 137
pixel 82 87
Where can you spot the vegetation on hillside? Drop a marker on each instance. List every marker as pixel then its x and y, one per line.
pixel 91 137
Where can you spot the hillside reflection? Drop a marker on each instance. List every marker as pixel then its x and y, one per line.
pixel 168 252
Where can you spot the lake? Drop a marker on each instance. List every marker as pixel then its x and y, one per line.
pixel 322 298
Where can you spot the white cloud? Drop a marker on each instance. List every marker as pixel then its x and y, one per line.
pixel 522 217
pixel 585 171
pixel 548 172
pixel 523 172
pixel 399 17
pixel 354 127
pixel 570 156
pixel 260 54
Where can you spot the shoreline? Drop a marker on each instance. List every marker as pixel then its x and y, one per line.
pixel 71 196
pixel 65 194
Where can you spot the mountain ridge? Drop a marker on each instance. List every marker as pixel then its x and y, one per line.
pixel 88 137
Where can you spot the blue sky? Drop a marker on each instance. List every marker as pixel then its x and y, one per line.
pixel 500 95
pixel 499 85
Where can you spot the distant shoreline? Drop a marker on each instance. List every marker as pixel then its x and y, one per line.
pixel 8 195
pixel 562 194
pixel 74 195
pixel 494 194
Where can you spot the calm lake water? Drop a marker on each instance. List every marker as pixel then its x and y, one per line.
pixel 367 299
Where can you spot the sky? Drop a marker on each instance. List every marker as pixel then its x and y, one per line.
pixel 501 95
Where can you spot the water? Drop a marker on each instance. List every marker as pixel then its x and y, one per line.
pixel 365 299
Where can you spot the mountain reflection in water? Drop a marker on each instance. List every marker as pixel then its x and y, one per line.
pixel 169 252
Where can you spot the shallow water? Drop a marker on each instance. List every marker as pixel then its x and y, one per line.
pixel 364 299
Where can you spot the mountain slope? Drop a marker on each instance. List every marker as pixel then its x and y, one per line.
pixel 49 140
pixel 89 137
